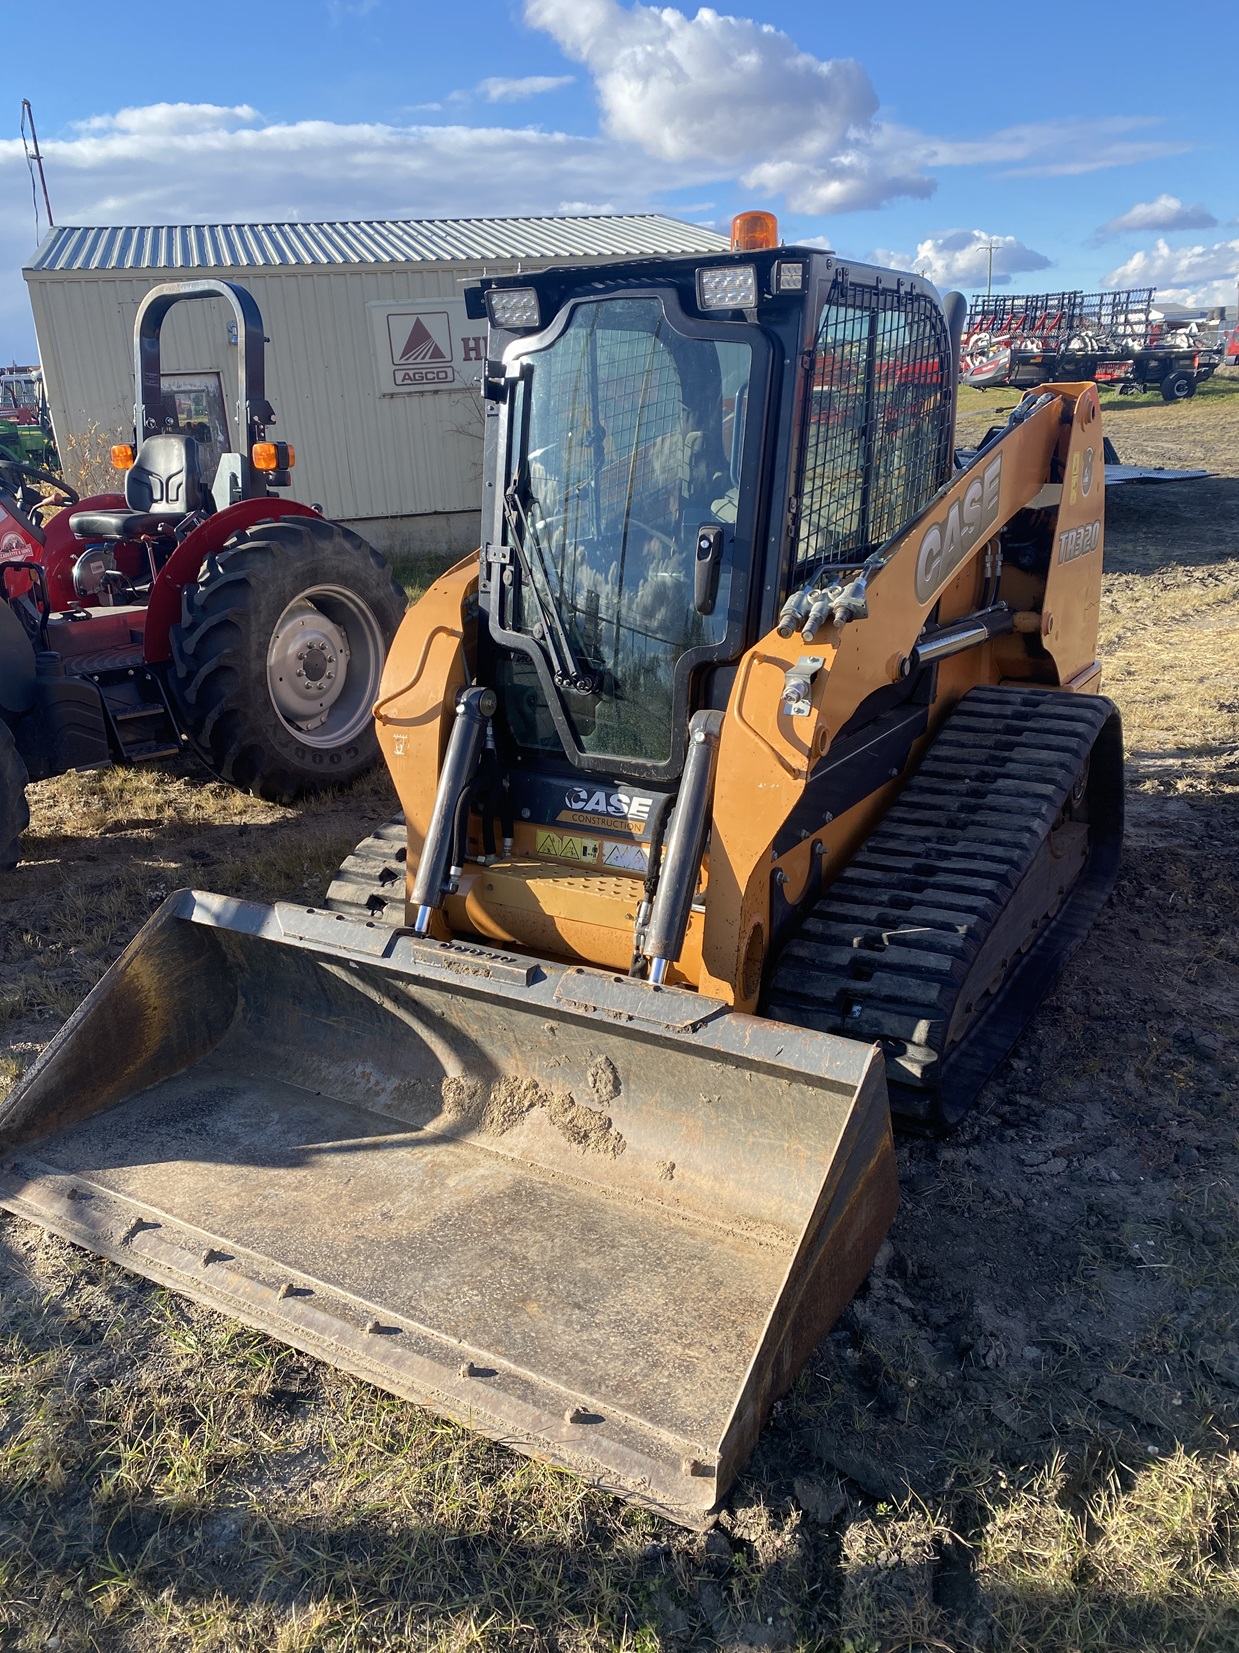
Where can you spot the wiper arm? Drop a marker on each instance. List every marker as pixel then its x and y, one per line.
pixel 567 670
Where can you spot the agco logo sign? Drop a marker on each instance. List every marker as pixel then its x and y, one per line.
pixel 421 348
pixel 425 346
pixel 624 805
pixel 944 545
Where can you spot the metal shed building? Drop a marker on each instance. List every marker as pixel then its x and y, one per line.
pixel 372 366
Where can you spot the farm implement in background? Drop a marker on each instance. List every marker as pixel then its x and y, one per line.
pixel 1118 339
pixel 25 428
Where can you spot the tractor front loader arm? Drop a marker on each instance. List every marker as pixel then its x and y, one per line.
pixel 933 591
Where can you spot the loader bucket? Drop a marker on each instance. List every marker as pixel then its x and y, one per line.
pixel 603 1222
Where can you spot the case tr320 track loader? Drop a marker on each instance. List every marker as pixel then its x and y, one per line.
pixel 753 773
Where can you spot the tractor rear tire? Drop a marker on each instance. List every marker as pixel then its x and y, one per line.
pixel 14 811
pixel 277 659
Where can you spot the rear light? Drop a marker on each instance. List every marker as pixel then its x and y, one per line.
pixel 273 456
pixel 727 287
pixel 754 232
pixel 122 457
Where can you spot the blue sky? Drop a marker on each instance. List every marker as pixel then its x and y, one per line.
pixel 1094 146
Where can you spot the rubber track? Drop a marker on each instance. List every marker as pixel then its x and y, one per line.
pixel 887 947
pixel 370 883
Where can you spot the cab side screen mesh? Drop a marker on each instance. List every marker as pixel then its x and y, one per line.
pixel 877 442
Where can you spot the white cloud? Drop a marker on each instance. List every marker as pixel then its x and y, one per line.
pixel 961 258
pixel 1046 149
pixel 113 173
pixel 171 120
pixel 736 95
pixel 741 94
pixel 1183 275
pixel 1167 212
pixel 497 89
pixel 318 169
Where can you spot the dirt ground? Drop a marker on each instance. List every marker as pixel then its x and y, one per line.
pixel 1024 1433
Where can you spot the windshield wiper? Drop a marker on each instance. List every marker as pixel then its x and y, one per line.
pixel 566 668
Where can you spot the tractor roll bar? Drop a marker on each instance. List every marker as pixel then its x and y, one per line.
pixel 254 412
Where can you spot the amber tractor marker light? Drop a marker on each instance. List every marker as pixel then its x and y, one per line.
pixel 122 457
pixel 753 232
pixel 273 456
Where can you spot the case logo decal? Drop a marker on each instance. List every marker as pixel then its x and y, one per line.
pixel 627 805
pixel 944 545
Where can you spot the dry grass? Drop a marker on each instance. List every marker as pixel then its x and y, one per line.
pixel 1164 640
pixel 1203 431
pixel 86 462
pixel 169 1481
pixel 1146 1560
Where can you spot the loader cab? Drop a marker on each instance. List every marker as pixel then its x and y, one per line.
pixel 673 445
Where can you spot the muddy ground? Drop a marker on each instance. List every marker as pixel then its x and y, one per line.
pixel 1023 1434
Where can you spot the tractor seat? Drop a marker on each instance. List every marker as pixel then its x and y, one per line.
pixel 162 487
pixel 116 525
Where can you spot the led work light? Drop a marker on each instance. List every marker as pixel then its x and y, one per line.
pixel 727 287
pixel 513 308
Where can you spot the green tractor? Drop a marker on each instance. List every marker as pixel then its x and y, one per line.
pixel 25 426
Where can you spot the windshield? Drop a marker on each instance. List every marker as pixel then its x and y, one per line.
pixel 19 391
pixel 627 439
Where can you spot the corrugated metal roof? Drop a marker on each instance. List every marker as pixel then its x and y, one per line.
pixel 385 241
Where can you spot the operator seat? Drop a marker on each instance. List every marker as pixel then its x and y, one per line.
pixel 163 486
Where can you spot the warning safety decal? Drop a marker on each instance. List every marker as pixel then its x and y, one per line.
pixel 626 857
pixel 563 846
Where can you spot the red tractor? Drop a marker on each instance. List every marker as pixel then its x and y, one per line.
pixel 190 611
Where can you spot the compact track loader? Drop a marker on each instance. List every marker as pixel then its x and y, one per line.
pixel 753 774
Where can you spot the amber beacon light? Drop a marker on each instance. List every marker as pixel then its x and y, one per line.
pixel 752 232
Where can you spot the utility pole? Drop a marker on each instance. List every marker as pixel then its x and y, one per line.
pixel 34 159
pixel 990 247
